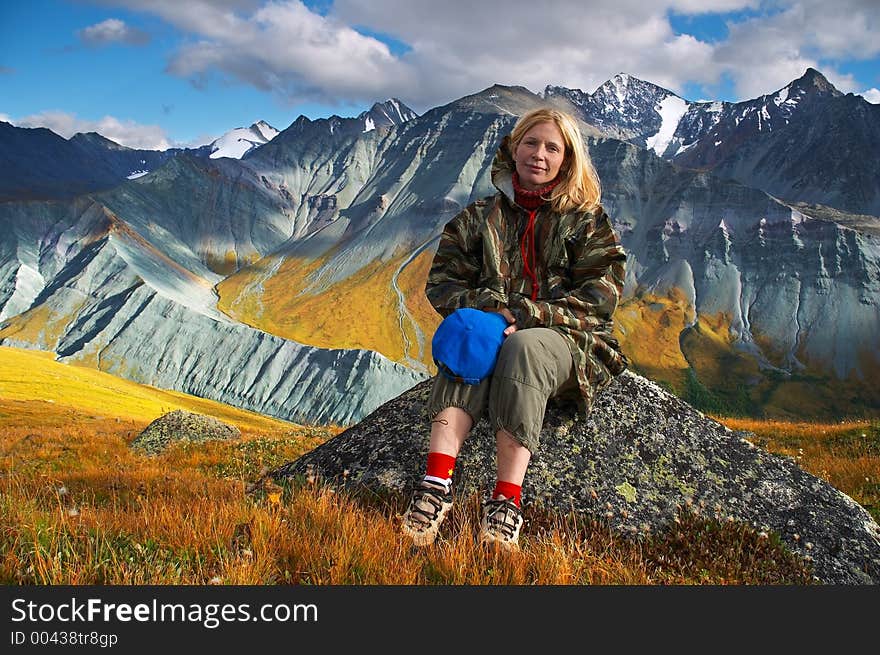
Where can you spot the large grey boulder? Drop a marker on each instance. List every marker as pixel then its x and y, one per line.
pixel 641 457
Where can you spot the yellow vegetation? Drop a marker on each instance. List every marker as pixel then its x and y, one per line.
pixel 225 264
pixel 708 347
pixel 77 506
pixel 649 327
pixel 846 453
pixel 34 384
pixel 412 283
pixel 39 325
pixel 358 312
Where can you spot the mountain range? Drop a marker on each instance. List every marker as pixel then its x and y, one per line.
pixel 788 143
pixel 290 280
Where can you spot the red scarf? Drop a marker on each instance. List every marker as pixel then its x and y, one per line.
pixel 530 200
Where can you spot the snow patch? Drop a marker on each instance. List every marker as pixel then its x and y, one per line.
pixel 266 131
pixel 236 143
pixel 671 109
pixel 621 82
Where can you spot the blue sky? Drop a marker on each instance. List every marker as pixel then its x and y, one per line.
pixel 161 73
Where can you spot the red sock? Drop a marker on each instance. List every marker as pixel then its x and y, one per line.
pixel 508 490
pixel 440 467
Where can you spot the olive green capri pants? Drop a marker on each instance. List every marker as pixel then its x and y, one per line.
pixel 533 365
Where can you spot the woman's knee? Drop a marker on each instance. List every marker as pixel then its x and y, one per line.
pixel 519 352
pixel 526 358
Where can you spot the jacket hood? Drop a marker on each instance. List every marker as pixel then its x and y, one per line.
pixel 502 169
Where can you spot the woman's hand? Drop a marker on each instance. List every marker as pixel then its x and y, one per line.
pixel 511 327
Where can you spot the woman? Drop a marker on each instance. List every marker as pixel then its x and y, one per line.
pixel 543 254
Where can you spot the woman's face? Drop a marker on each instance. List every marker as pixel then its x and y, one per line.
pixel 539 155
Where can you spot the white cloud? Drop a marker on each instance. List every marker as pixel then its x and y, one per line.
pixel 279 46
pixel 583 44
pixel 112 30
pixel 765 53
pixel 458 47
pixel 711 6
pixel 127 133
pixel 195 142
pixel 298 53
pixel 871 95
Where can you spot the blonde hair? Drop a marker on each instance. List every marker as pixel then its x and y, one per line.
pixel 579 188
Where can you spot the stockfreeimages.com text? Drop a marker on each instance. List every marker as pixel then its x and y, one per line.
pixel 210 615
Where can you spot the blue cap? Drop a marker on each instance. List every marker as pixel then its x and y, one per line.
pixel 466 344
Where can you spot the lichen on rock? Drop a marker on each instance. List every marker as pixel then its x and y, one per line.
pixel 181 425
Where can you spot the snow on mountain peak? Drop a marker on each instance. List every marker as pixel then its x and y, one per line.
pixel 265 129
pixel 235 143
pixel 400 111
pixel 616 89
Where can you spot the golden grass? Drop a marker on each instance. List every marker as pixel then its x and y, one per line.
pixel 819 395
pixel 412 284
pixel 709 349
pixel 34 385
pixel 222 264
pixel 39 325
pixel 77 506
pixel 702 365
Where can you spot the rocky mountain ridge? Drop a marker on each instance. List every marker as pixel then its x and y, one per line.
pixel 745 293
pixel 804 142
pixel 37 164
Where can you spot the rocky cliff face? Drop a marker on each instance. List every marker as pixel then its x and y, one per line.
pixel 640 459
pixel 781 276
pixel 826 157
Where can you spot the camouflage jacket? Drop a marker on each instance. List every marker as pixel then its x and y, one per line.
pixel 580 265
